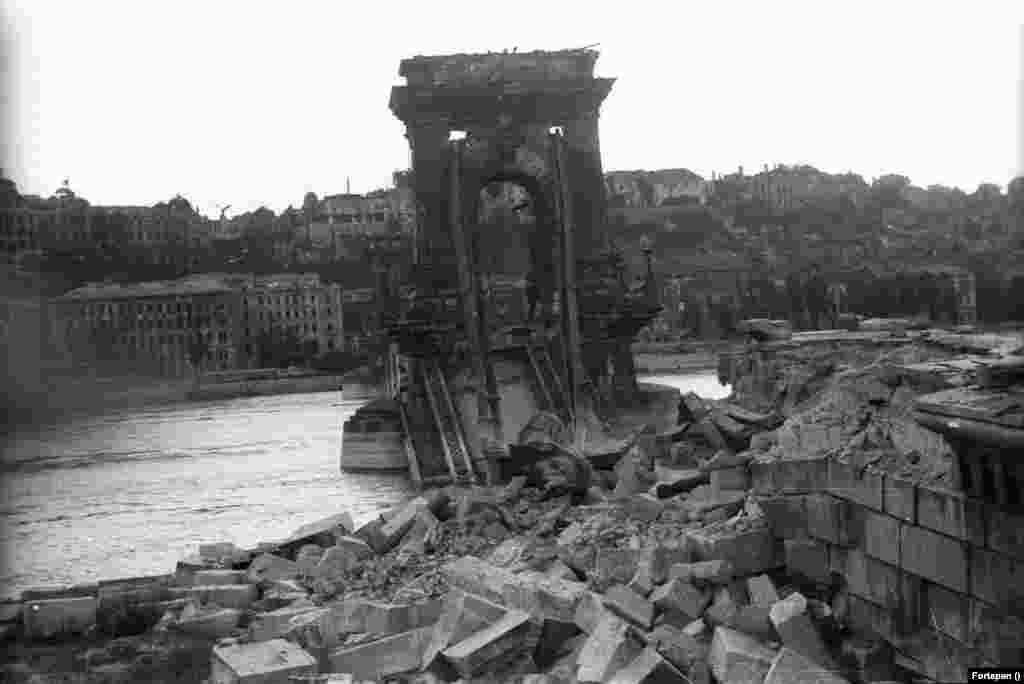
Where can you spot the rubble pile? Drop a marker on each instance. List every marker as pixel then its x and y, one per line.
pixel 722 552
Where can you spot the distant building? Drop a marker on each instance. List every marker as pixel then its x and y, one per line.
pixel 646 189
pixel 163 327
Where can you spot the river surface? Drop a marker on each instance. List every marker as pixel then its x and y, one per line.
pixel 133 491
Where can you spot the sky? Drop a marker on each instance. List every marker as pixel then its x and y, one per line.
pixel 255 103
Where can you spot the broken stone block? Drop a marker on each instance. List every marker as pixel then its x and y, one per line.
pixel 321 532
pixel 209 624
pixel 615 565
pixel 736 658
pixel 217 577
pixel 307 558
pixel 423 529
pixel 695 628
pixel 649 668
pixel 557 639
pixel 387 536
pixel 714 572
pixel 750 551
pixel 754 620
pixel 275 624
pixel 790 667
pixel 589 612
pixel 239 596
pixel 610 647
pixel 630 606
pixel 338 561
pixel 513 633
pixel 762 590
pixel 663 557
pixel 58 617
pixel 797 631
pixel 382 658
pixel 462 614
pixel 268 568
pixel 261 662
pixel 559 570
pixel 730 479
pixel 681 649
pixel 643 507
pixel 531 592
pixel 674 482
pixel 642 583
pixel 681 599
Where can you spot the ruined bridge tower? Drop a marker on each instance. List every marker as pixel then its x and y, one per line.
pixel 528 119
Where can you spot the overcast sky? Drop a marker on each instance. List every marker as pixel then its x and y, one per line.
pixel 255 103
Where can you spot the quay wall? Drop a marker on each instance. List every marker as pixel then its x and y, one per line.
pixel 937 574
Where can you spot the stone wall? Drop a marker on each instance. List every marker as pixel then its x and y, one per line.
pixel 935 573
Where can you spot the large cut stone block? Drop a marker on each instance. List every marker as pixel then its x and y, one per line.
pixel 610 647
pixel 462 614
pixel 630 606
pixel 1005 531
pixel 762 590
pixel 649 668
pixel 239 596
pixel 341 558
pixel 790 667
pixel 952 513
pixel 382 658
pixel 860 485
pixel 829 519
pixel 211 578
pixel 322 532
pixel 531 592
pixel 787 515
pixel 736 658
pixel 276 623
pixel 994 577
pixel 935 557
pixel 900 498
pixel 264 662
pixel 58 617
pixel 268 567
pixel 703 573
pixel 489 648
pixel 387 536
pixel 749 551
pixel 797 631
pixel 878 535
pixel 590 611
pixel 682 599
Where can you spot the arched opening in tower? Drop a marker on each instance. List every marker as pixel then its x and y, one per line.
pixel 513 251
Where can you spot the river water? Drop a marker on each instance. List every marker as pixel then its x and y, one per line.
pixel 132 491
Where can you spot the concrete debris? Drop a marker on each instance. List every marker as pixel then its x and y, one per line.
pixel 649 668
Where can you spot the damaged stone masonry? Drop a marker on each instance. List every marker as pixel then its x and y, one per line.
pixel 849 515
